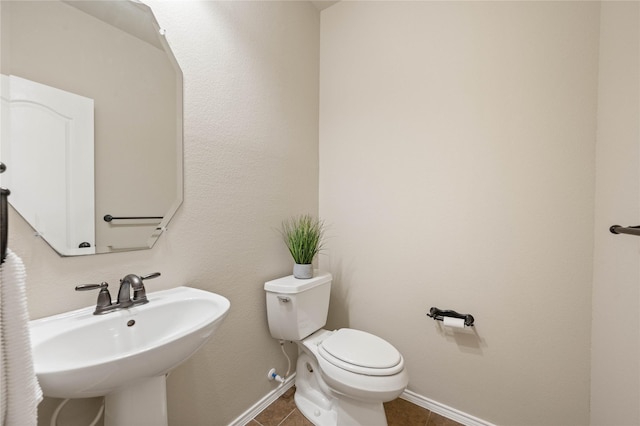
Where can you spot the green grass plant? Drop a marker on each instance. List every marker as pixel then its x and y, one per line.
pixel 303 236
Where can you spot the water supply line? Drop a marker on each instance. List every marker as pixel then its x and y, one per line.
pixel 54 417
pixel 287 357
pixel 273 375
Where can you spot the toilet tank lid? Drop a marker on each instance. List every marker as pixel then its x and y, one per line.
pixel 292 285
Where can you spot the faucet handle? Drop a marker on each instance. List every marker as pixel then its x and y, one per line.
pixel 151 276
pixel 85 287
pixel 104 297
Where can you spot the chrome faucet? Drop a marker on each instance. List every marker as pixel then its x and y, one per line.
pixel 124 301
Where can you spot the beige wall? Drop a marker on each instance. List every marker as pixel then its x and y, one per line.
pixel 251 160
pixel 457 170
pixel 615 352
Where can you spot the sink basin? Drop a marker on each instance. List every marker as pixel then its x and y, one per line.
pixel 79 355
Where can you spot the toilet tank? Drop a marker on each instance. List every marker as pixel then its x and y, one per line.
pixel 295 307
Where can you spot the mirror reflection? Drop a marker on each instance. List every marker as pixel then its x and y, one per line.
pixel 91 123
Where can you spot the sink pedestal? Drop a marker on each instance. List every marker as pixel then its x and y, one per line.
pixel 143 403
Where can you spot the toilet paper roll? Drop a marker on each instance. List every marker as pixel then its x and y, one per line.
pixel 453 322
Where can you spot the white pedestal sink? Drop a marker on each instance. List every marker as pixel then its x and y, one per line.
pixel 125 355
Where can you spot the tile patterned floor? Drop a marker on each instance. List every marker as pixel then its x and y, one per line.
pixel 399 412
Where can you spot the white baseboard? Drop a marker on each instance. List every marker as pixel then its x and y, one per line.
pixel 443 410
pixel 259 406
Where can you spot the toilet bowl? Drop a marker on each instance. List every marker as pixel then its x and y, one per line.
pixel 342 376
pixel 344 396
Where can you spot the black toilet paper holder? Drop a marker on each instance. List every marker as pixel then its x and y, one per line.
pixel 439 314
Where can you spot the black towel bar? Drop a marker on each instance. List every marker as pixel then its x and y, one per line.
pixel 631 230
pixel 109 218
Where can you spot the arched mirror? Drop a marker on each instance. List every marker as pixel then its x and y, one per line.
pixel 91 123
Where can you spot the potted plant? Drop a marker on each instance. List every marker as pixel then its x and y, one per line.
pixel 303 236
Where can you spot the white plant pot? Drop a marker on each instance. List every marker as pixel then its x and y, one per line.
pixel 303 272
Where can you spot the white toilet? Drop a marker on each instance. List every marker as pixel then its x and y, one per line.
pixel 343 376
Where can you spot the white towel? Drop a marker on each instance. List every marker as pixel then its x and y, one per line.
pixel 20 392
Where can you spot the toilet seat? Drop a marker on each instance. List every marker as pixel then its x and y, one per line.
pixel 361 353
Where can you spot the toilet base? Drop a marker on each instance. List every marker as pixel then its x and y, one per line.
pixel 321 407
pixel 346 412
pixel 315 413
